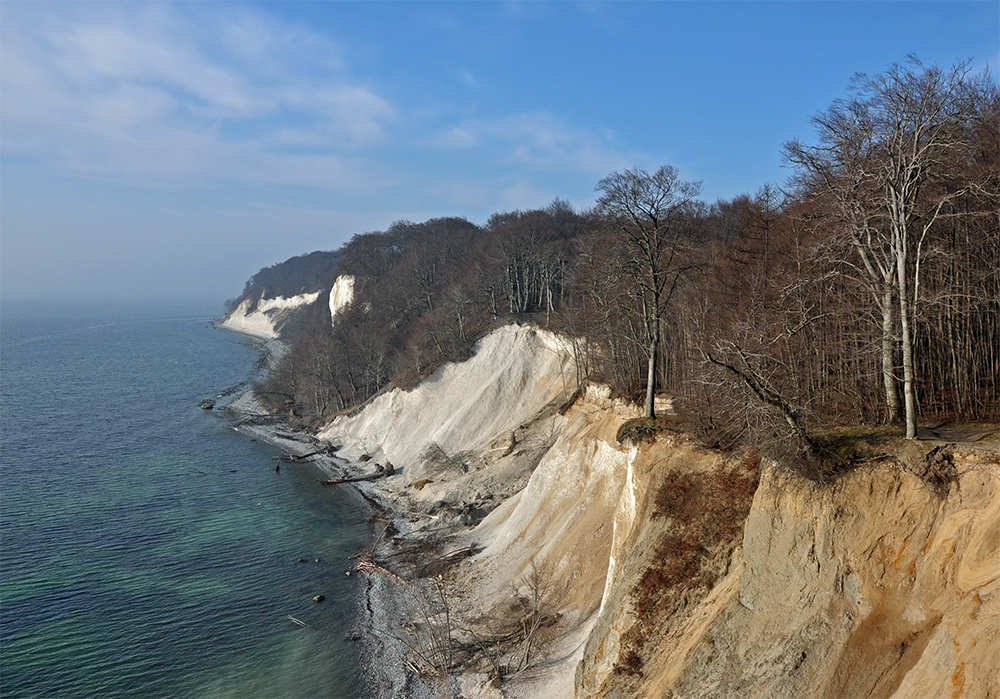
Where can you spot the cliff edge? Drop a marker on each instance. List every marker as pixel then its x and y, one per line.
pixel 527 552
pixel 875 586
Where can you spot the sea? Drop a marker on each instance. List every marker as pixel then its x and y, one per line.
pixel 147 549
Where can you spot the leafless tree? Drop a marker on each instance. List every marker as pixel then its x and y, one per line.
pixel 646 211
pixel 884 156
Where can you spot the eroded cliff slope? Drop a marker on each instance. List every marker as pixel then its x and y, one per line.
pixel 666 569
pixel 875 586
pixel 265 317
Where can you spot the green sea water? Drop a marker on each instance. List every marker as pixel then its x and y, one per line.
pixel 146 548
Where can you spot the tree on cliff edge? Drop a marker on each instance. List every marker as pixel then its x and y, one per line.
pixel 893 157
pixel 646 211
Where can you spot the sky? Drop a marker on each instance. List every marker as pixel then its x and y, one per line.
pixel 167 151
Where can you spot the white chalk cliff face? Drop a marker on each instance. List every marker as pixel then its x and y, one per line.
pixel 341 295
pixel 263 317
pixel 874 586
pixel 462 407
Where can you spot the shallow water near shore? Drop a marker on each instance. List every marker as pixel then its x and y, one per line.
pixel 149 550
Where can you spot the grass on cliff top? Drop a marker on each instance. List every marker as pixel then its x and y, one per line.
pixel 832 451
pixel 707 431
pixel 646 429
pixel 835 451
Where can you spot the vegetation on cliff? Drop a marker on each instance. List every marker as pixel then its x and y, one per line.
pixel 843 560
pixel 866 293
pixel 296 275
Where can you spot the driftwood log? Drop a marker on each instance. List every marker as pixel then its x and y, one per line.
pixel 299 458
pixel 354 479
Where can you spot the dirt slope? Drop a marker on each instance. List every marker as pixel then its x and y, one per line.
pixel 875 587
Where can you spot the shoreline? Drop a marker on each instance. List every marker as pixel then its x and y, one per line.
pixel 381 669
pixel 416 584
pixel 435 511
pixel 271 348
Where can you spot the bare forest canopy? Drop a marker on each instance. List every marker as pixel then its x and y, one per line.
pixel 297 275
pixel 866 292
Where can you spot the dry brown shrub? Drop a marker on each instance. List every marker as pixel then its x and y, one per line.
pixel 677 497
pixel 646 429
pixel 629 663
pixel 677 566
pixel 707 511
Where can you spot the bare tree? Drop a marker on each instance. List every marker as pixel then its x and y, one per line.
pixel 836 170
pixel 885 155
pixel 646 210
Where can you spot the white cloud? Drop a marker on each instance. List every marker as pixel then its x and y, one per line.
pixel 93 55
pixel 275 48
pixel 193 95
pixel 129 105
pixel 468 78
pixel 539 141
pixel 161 95
pixel 345 115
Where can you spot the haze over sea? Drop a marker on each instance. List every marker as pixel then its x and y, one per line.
pixel 148 549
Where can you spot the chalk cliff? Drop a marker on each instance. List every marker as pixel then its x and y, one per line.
pixel 341 294
pixel 264 317
pixel 672 570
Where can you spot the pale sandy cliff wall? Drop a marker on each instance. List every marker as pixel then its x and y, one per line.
pixel 562 526
pixel 513 374
pixel 875 586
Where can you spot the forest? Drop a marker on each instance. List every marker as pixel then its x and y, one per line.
pixel 298 275
pixel 864 291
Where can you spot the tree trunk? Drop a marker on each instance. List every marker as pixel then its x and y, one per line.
pixel 651 373
pixel 909 397
pixel 757 386
pixel 892 401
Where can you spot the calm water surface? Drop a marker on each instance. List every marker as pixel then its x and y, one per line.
pixel 146 548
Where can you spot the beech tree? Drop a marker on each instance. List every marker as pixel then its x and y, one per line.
pixel 836 171
pixel 784 309
pixel 646 211
pixel 886 155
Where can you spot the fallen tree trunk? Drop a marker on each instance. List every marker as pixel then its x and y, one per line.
pixel 353 479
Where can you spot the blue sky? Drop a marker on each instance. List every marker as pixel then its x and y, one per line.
pixel 168 151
